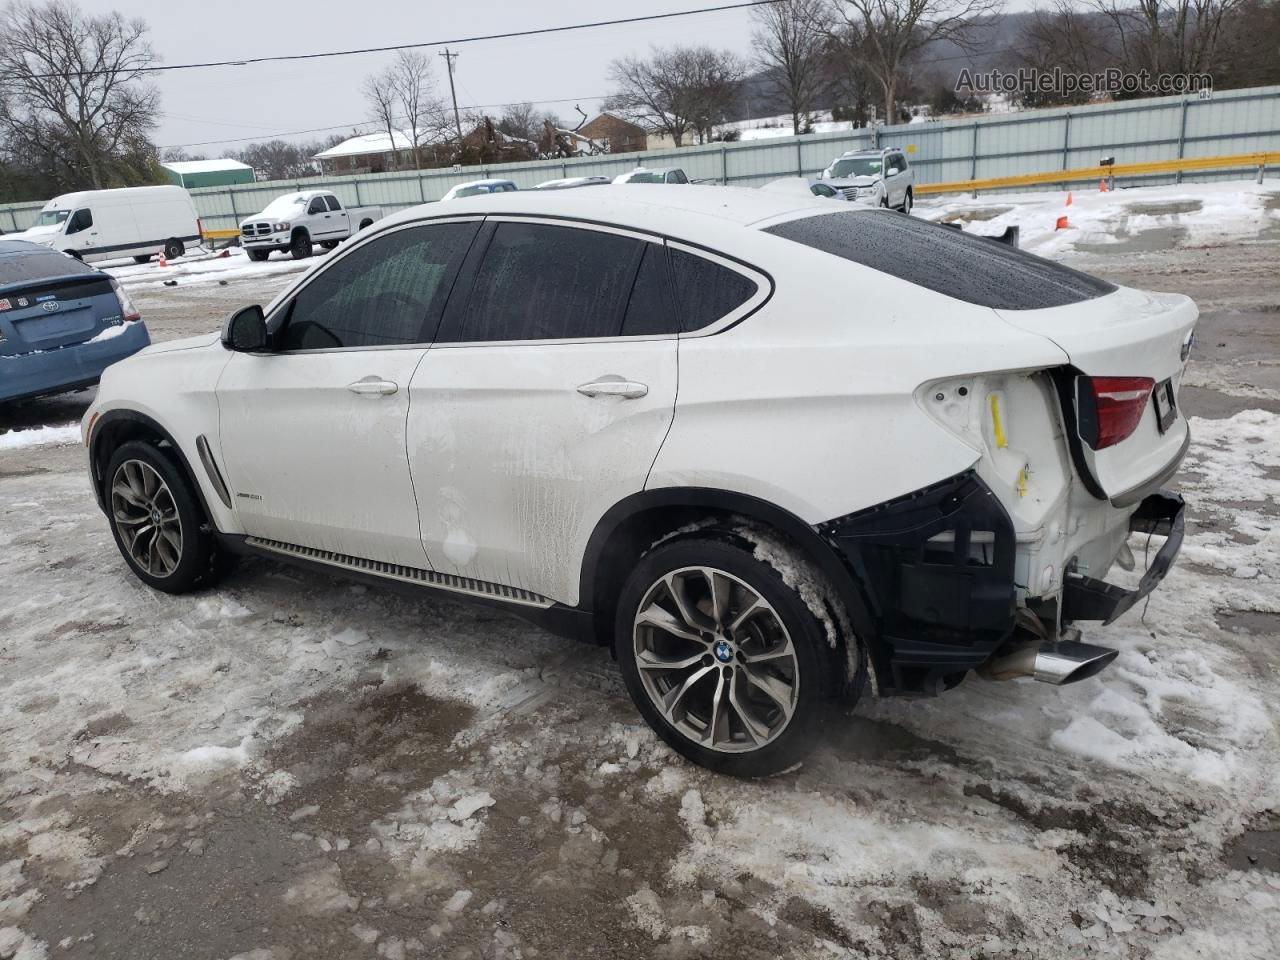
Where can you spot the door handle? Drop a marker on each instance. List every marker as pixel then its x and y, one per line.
pixel 373 387
pixel 613 386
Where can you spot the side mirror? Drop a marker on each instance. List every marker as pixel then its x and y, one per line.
pixel 246 330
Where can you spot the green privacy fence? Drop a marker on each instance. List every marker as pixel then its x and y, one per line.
pixel 990 145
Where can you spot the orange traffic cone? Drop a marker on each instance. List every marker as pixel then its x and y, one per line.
pixel 1068 198
pixel 1062 224
pixel 163 261
pixel 1102 185
pixel 226 252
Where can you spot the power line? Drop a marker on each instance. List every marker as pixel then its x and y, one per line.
pixel 418 46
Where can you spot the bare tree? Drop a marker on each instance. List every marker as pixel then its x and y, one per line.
pixel 520 120
pixel 790 48
pixel 380 96
pixel 1066 37
pixel 677 91
pixel 73 100
pixel 892 31
pixel 423 112
pixel 1168 37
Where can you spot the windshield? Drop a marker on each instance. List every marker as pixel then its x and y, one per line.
pixel 856 167
pixel 49 218
pixel 646 177
pixel 284 206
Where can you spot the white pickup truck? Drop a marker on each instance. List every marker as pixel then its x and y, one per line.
pixel 295 221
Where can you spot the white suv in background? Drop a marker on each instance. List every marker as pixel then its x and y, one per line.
pixel 637 419
pixel 880 178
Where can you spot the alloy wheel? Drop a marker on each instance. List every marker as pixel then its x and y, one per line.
pixel 716 660
pixel 146 515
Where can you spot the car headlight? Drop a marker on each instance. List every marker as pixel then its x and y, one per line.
pixel 281 226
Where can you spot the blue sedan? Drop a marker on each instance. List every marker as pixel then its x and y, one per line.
pixel 61 322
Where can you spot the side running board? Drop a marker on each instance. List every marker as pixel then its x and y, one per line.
pixel 395 571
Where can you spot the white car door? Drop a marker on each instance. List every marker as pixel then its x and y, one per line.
pixel 313 431
pixel 544 400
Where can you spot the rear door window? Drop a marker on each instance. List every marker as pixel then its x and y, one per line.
pixel 542 281
pixel 387 292
pixel 333 203
pixel 707 291
pixel 651 307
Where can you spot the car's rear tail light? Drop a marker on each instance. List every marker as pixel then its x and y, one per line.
pixel 1111 408
pixel 127 308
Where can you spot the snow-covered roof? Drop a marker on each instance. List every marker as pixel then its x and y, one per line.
pixel 367 144
pixel 185 167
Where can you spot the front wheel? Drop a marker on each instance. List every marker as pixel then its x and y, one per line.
pixel 257 256
pixel 300 246
pixel 157 521
pixel 723 658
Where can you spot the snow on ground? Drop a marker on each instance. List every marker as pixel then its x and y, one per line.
pixel 1181 214
pixel 201 267
pixel 39 436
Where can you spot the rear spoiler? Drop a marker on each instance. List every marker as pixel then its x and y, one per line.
pixel 1009 238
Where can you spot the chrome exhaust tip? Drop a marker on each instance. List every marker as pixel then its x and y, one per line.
pixel 1057 662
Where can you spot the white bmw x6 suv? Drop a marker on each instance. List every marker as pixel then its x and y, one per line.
pixel 634 417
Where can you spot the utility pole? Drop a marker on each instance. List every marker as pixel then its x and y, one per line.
pixel 449 58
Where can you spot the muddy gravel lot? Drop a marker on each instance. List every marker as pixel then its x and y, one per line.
pixel 296 767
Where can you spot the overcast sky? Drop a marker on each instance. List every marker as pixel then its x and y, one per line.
pixel 261 100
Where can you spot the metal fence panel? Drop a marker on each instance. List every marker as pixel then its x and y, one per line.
pixel 992 145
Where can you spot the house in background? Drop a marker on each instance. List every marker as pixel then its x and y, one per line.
pixel 622 136
pixel 370 153
pixel 189 174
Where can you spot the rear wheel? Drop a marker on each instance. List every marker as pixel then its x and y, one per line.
pixel 259 255
pixel 173 249
pixel 329 244
pixel 722 658
pixel 157 521
pixel 907 202
pixel 300 245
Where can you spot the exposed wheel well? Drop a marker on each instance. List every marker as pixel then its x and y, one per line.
pixel 108 436
pixel 299 231
pixel 364 223
pixel 619 542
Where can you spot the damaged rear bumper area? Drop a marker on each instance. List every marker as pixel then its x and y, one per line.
pixel 937 567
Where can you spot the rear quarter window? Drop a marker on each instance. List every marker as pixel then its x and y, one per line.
pixel 973 269
pixel 706 291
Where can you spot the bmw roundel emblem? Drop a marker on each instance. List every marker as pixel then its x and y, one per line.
pixel 50 305
pixel 724 652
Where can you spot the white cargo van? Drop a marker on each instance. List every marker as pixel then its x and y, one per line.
pixel 136 222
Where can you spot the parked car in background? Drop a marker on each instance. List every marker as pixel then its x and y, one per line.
pixel 880 178
pixel 61 322
pixel 297 221
pixel 652 175
pixel 136 222
pixel 803 496
pixel 570 183
pixel 478 188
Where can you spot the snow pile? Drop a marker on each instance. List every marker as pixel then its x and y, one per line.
pixel 113 331
pixel 40 437
pixel 1192 214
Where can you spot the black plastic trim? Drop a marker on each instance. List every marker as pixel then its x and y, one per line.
pixel 940 607
pixel 1084 598
pixel 132 416
pixel 1064 382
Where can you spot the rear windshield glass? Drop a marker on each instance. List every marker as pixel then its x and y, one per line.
pixel 645 178
pixel 22 267
pixel 942 259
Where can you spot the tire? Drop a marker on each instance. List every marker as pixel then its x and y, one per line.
pixel 300 245
pixel 183 556
pixel 884 202
pixel 173 249
pixel 330 244
pixel 143 258
pixel 803 675
pixel 907 202
pixel 257 256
